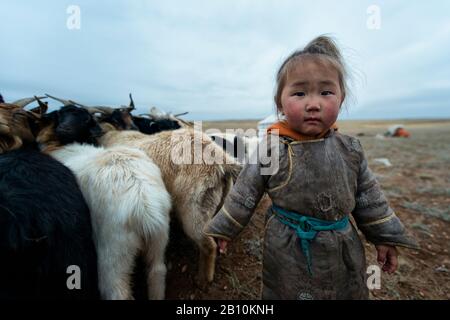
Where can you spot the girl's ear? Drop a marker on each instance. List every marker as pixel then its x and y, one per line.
pixel 342 99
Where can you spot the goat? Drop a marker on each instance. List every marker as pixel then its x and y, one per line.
pixel 154 122
pixel 129 203
pixel 151 126
pixel 238 146
pixel 157 121
pixel 209 183
pixel 198 191
pixel 122 118
pixel 146 123
pixel 44 220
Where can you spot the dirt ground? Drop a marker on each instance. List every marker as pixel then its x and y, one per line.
pixel 418 187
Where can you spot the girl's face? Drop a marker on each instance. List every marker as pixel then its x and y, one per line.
pixel 311 98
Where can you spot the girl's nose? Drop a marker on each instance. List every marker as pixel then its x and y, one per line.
pixel 312 107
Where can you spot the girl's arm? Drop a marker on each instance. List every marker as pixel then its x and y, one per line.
pixel 239 204
pixel 373 215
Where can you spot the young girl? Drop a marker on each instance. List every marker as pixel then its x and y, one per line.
pixel 311 250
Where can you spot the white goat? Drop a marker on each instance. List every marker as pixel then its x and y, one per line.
pixel 129 206
pixel 130 210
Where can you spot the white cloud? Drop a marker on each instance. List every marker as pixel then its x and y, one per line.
pixel 218 59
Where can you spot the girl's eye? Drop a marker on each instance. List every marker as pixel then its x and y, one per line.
pixel 326 93
pixel 299 94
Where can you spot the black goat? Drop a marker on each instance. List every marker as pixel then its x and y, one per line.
pixel 121 119
pixel 45 227
pixel 151 126
pixel 74 125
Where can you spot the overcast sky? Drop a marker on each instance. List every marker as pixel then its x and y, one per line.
pixel 218 59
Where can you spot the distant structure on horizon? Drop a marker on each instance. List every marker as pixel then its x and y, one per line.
pixel 265 123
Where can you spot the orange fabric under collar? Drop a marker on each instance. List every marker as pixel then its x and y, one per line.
pixel 285 130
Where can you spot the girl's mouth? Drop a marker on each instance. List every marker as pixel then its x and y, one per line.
pixel 312 120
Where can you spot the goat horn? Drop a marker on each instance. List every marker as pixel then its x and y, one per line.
pixel 131 107
pixel 42 109
pixel 41 104
pixel 106 110
pixel 63 101
pixel 189 124
pixel 23 102
pixel 181 114
pixel 66 102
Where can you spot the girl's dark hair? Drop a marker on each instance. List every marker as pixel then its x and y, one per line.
pixel 322 49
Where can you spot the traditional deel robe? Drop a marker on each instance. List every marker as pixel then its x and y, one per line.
pixel 327 179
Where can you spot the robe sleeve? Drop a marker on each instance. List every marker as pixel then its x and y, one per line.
pixel 241 202
pixel 372 213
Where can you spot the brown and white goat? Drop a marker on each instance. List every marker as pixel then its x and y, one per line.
pixel 198 189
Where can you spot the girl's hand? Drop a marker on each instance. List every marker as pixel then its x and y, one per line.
pixel 387 257
pixel 222 246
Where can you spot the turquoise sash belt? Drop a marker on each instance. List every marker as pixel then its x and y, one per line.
pixel 307 228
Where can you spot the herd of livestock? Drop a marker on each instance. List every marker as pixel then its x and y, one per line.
pixel 93 188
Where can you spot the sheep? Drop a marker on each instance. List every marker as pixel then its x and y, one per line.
pixel 129 203
pixel 198 191
pixel 45 223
